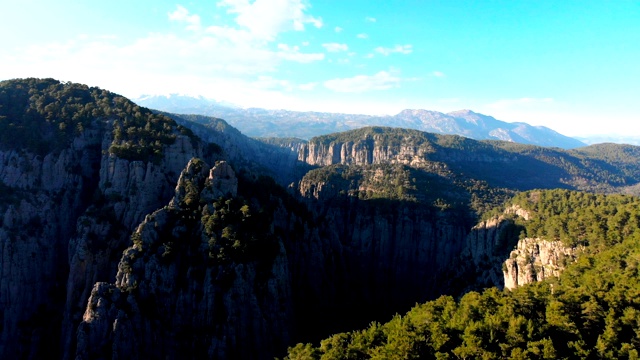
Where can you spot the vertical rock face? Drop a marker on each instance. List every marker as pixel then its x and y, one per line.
pixel 127 191
pixel 535 260
pixel 370 149
pixel 193 285
pixel 42 198
pixel 379 255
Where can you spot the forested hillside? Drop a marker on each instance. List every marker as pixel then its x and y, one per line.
pixel 591 311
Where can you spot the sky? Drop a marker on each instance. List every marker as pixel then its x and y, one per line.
pixel 573 66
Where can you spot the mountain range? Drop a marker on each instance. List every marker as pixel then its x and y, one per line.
pixel 130 233
pixel 283 123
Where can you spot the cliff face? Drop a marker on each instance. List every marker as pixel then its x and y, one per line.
pixel 370 149
pixel 43 197
pixel 192 285
pixel 126 192
pixel 378 255
pixel 494 255
pixel 71 195
pixel 535 260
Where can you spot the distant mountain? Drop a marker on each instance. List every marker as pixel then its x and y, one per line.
pixel 283 123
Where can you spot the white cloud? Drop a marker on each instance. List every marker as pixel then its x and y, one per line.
pixel 335 47
pixel 438 74
pixel 267 18
pixel 401 49
pixel 292 53
pixel 220 62
pixel 370 19
pixel 382 80
pixel 182 15
pixel 338 29
pixel 362 36
pixel 308 86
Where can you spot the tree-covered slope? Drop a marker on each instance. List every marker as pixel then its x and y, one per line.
pixel 44 115
pixel 591 311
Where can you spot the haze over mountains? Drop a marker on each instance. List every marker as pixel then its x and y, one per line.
pixel 257 122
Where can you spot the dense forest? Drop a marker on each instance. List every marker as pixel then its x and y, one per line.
pixel 591 311
pixel 44 116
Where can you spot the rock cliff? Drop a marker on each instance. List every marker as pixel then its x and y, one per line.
pixel 194 284
pixel 126 192
pixel 383 250
pixel 535 260
pixel 73 188
pixel 43 197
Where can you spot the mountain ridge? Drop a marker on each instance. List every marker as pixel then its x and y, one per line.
pixel 257 122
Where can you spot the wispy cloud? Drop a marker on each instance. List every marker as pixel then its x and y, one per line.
pixel 439 74
pixel 370 19
pixel 308 86
pixel 335 47
pixel 400 49
pixel 268 18
pixel 338 29
pixel 362 36
pixel 382 80
pixel 181 14
pixel 292 53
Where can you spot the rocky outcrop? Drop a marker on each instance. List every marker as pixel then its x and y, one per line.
pixel 370 149
pixel 180 292
pixel 535 260
pixel 493 255
pixel 126 192
pixel 486 246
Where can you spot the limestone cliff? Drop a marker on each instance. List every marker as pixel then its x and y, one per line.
pixel 79 168
pixel 535 260
pixel 42 197
pixel 494 255
pixel 126 192
pixel 195 284
pixel 383 248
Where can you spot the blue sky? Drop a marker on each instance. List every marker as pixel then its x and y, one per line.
pixel 573 66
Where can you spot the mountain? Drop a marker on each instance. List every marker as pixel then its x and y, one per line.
pixel 131 233
pixel 283 123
